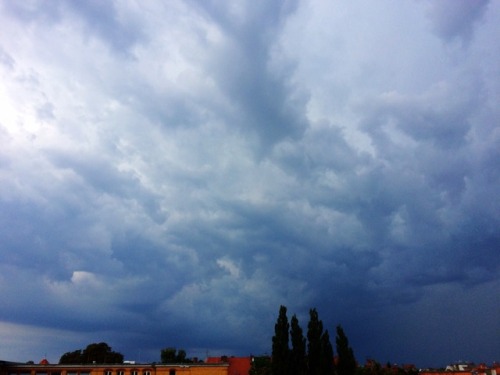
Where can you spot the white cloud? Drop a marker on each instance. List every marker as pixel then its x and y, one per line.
pixel 229 266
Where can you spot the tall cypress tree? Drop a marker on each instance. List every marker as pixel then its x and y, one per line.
pixel 326 360
pixel 314 332
pixel 298 352
pixel 346 362
pixel 281 351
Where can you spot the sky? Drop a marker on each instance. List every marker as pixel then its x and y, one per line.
pixel 173 172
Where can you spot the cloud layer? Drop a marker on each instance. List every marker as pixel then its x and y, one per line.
pixel 171 173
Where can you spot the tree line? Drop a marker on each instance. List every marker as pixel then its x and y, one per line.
pixel 102 353
pixel 94 353
pixel 295 354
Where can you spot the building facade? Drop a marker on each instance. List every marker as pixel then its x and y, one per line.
pixel 44 368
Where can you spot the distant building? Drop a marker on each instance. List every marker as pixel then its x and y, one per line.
pixel 464 369
pixel 45 368
pixel 237 365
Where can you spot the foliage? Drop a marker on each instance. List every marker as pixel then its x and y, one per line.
pixel 281 351
pixel 260 366
pixel 172 355
pixel 318 360
pixel 373 367
pixel 94 353
pixel 314 332
pixel 346 362
pixel 326 357
pixel 71 358
pixel 298 364
pixel 181 356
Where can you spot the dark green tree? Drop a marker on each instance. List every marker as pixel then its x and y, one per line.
pixel 346 361
pixel 101 353
pixel 298 365
pixel 281 350
pixel 181 356
pixel 71 358
pixel 314 332
pixel 168 355
pixel 172 355
pixel 326 358
pixel 261 365
pixel 94 353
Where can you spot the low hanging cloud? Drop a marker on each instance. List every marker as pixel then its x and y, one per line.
pixel 172 173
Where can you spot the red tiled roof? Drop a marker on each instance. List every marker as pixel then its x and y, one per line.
pixel 239 365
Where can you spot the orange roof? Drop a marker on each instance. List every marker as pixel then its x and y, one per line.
pixel 239 365
pixel 44 362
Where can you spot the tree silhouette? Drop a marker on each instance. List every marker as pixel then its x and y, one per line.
pixel 346 362
pixel 281 351
pixel 93 353
pixel 314 332
pixel 326 358
pixel 298 365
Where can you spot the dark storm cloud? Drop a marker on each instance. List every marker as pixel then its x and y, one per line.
pixel 242 68
pixel 456 19
pixel 171 174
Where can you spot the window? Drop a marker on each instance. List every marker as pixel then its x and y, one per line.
pixel 121 372
pixel 108 372
pixel 135 372
pixel 171 372
pixel 146 372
